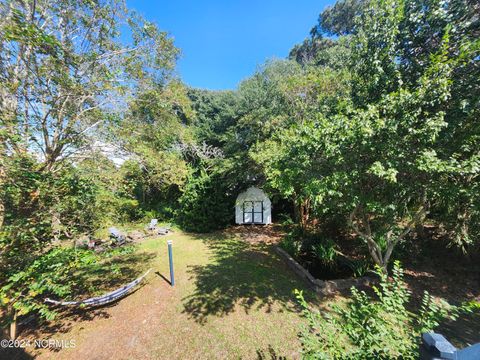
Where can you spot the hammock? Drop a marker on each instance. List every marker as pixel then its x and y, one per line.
pixel 104 299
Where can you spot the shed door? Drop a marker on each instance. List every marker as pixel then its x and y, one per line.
pixel 253 212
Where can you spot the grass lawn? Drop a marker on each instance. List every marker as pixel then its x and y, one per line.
pixel 232 299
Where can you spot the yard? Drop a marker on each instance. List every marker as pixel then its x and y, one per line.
pixel 357 149
pixel 232 299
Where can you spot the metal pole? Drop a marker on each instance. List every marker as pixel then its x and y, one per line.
pixel 170 259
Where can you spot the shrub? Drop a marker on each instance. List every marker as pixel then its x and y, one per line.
pixel 40 206
pixel 73 203
pixel 291 245
pixel 204 204
pixel 359 267
pixel 326 252
pixel 292 242
pixel 372 328
pixel 112 208
pixel 59 273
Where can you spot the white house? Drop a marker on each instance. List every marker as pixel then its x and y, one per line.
pixel 253 207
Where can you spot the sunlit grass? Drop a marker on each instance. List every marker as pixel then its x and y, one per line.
pixel 231 300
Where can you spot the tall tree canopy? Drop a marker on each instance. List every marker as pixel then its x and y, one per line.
pixel 69 70
pixel 65 70
pixel 402 147
pixel 371 122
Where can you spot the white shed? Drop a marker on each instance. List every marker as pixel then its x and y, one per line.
pixel 253 207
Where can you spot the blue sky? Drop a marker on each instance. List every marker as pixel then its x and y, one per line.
pixel 222 42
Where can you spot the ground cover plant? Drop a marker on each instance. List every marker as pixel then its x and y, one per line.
pixel 379 326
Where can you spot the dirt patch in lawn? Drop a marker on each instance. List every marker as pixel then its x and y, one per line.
pixel 257 234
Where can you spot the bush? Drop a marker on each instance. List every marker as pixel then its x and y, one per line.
pixel 372 328
pixel 112 208
pixel 73 196
pixel 326 252
pixel 41 206
pixel 62 273
pixel 292 243
pixel 359 267
pixel 204 204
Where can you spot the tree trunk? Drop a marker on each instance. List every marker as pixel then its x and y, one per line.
pixel 2 182
pixel 302 212
pixel 360 223
pixel 13 326
pixel 296 211
pixel 8 106
pixel 305 212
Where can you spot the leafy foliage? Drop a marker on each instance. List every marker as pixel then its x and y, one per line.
pixel 66 74
pixel 41 206
pixel 340 18
pixel 292 244
pixel 371 125
pixel 205 204
pixel 385 155
pixel 59 273
pixel 372 328
pixel 326 252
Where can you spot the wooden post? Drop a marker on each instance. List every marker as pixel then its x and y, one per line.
pixel 13 326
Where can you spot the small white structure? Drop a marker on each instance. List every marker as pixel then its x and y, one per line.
pixel 253 207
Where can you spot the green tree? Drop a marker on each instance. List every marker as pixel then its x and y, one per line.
pixel 216 113
pixel 65 73
pixel 431 46
pixel 455 160
pixel 340 18
pixel 291 158
pixel 64 69
pixel 150 134
pixel 377 156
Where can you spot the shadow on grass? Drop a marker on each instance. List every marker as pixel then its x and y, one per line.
pixel 111 273
pixel 269 354
pixel 240 274
pixel 447 273
pixel 464 331
pixel 163 277
pixel 14 354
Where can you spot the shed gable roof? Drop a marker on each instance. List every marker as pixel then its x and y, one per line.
pixel 252 194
